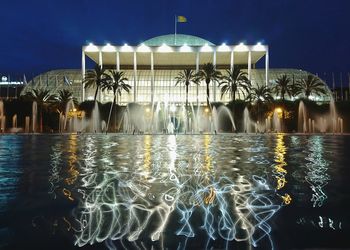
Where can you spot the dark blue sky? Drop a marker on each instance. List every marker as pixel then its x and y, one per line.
pixel 38 35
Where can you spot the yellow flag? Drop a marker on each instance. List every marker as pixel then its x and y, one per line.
pixel 181 19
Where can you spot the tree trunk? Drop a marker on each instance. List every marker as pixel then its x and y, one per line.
pixel 188 121
pixel 208 92
pixel 283 115
pixel 41 118
pixel 233 106
pixel 110 112
pixel 95 94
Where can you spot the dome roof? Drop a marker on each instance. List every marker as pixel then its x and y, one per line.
pixel 181 39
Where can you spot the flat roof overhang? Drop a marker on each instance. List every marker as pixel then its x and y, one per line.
pixel 174 55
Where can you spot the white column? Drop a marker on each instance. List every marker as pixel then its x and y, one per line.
pixel 214 82
pixel 83 74
pixel 100 61
pixel 197 70
pixel 267 66
pixel 117 61
pixel 249 65
pixel 135 77
pixel 152 78
pixel 232 59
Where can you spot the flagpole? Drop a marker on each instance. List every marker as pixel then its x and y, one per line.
pixel 175 30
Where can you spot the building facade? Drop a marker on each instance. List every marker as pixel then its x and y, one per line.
pixel 151 68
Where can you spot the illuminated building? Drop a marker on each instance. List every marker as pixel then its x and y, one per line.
pixel 151 68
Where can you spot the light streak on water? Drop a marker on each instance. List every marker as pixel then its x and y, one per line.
pixel 279 170
pixel 166 193
pixel 317 168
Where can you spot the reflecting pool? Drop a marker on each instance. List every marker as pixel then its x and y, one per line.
pixel 227 191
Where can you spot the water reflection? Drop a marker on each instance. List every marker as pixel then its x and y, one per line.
pixel 179 192
pixel 72 160
pixel 174 192
pixel 317 168
pixel 279 170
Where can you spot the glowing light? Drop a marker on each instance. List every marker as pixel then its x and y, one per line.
pixel 286 199
pixel 91 48
pixel 206 48
pixel 317 175
pixel 143 48
pixel 108 48
pixel 126 48
pixel 206 110
pixel 259 47
pixel 173 108
pixel 148 110
pixel 185 48
pixel 279 110
pixel 279 171
pixel 127 204
pixel 224 48
pixel 164 48
pixel 241 47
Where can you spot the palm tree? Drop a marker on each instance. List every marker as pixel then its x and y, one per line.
pixel 63 97
pixel 260 95
pixel 186 77
pixel 208 73
pixel 235 81
pixel 43 98
pixel 311 85
pixel 115 82
pixel 95 78
pixel 283 87
pixel 294 89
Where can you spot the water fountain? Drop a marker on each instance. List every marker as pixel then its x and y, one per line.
pixel 95 121
pixel 27 124
pixel 34 116
pixel 276 121
pixel 247 122
pixel 218 118
pixel 14 121
pixel 311 123
pixel 2 117
pixel 302 118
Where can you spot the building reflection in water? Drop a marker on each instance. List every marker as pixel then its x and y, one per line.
pixel 280 170
pixel 317 168
pixel 130 199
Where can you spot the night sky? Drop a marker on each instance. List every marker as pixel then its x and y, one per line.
pixel 38 35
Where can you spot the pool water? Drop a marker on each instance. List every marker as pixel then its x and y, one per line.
pixel 227 191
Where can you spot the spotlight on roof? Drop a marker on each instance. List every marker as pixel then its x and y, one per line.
pixel 241 47
pixel 185 48
pixel 143 48
pixel 224 48
pixel 259 47
pixel 108 48
pixel 206 48
pixel 126 48
pixel 164 48
pixel 91 48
